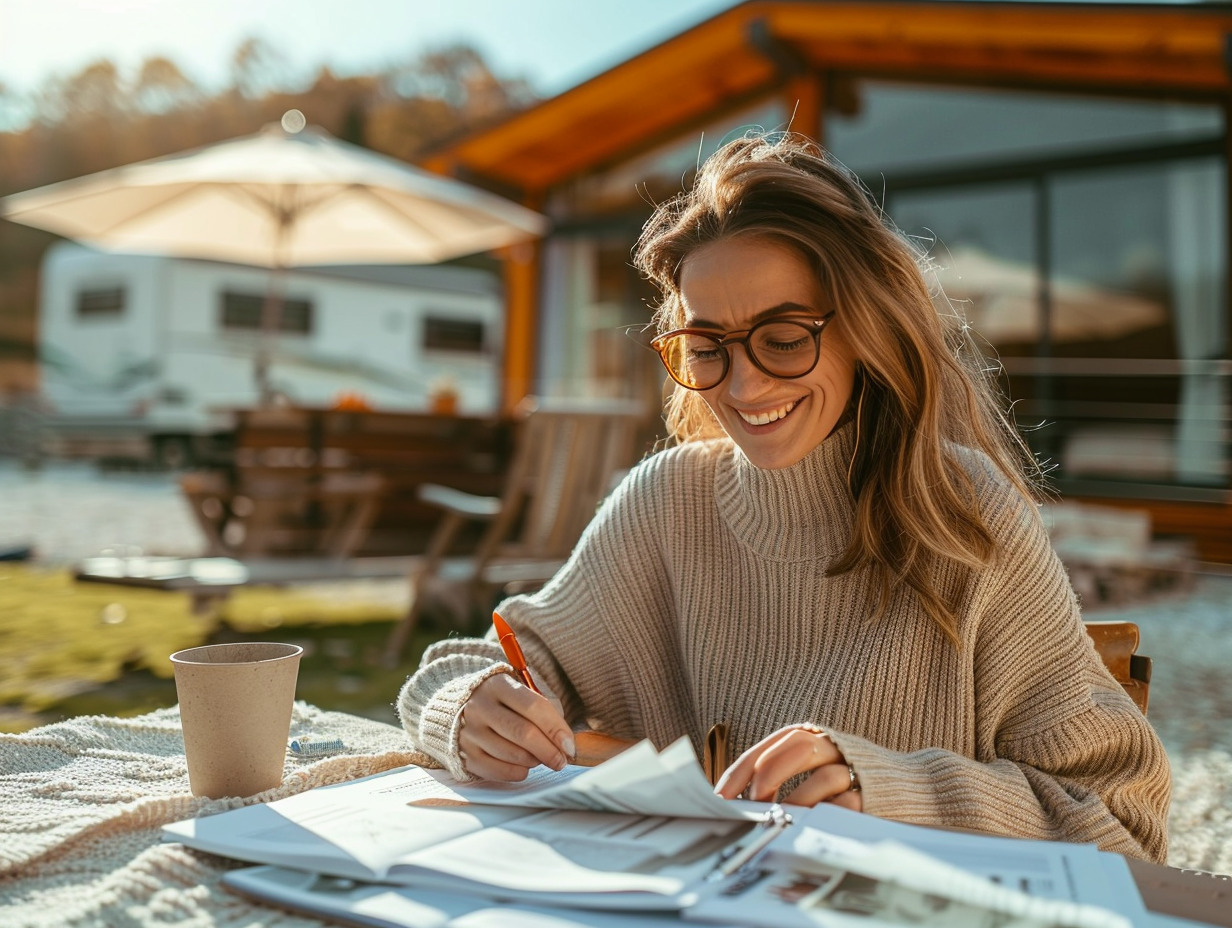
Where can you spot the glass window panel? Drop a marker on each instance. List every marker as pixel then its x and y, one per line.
pixel 101 302
pixel 1129 383
pixel 1138 274
pixel 244 311
pixel 1109 288
pixel 982 242
pixel 444 334
pixel 591 295
pixel 897 127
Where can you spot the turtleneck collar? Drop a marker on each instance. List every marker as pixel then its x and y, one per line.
pixel 794 513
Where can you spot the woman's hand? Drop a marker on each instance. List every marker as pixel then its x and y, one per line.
pixel 761 771
pixel 507 728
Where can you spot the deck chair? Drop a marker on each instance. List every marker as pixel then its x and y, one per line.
pixel 568 455
pixel 1117 643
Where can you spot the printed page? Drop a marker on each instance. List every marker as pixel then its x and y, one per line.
pixel 782 897
pixel 395 907
pixel 639 780
pixel 357 829
pixel 377 835
pixel 369 830
pixel 915 874
pixel 814 878
pixel 1049 869
pixel 633 862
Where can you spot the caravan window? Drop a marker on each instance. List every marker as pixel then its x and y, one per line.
pixel 100 302
pixel 442 334
pixel 244 310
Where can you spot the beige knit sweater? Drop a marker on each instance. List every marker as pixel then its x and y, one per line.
pixel 699 594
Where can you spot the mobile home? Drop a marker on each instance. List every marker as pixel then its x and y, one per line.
pixel 160 348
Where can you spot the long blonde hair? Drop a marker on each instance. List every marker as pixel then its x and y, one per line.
pixel 923 391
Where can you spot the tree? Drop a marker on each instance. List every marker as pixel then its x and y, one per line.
pixel 259 69
pixel 435 96
pixel 457 76
pixel 95 90
pixel 162 87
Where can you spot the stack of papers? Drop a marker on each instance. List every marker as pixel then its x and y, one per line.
pixel 642 833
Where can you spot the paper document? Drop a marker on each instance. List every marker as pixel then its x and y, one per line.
pixel 639 779
pixel 812 878
pixel 544 842
pixel 397 907
pixel 1049 869
pixel 645 832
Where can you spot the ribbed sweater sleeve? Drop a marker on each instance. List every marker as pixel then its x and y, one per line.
pixel 431 701
pixel 578 635
pixel 1061 752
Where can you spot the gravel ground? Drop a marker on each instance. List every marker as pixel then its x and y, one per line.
pixel 72 511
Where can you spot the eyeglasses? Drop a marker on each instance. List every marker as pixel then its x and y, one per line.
pixel 784 348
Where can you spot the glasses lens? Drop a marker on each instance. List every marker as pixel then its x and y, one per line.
pixel 785 349
pixel 696 361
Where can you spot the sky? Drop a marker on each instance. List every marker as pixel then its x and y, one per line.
pixel 554 44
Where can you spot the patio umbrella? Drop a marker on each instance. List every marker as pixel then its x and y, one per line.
pixel 287 196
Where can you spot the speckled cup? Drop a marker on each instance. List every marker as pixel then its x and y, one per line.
pixel 235 708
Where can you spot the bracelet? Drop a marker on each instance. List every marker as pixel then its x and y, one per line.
pixel 853 784
pixel 853 780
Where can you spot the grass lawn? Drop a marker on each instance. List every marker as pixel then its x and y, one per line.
pixel 69 648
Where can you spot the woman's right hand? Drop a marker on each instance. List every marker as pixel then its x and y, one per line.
pixel 507 728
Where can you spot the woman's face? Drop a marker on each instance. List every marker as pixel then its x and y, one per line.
pixel 728 286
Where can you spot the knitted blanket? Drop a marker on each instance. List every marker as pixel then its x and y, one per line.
pixel 82 802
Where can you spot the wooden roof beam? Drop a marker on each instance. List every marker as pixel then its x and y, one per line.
pixel 1028 68
pixel 762 44
pixel 788 60
pixel 1173 48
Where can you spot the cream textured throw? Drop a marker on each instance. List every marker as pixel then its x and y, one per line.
pixel 82 801
pixel 700 594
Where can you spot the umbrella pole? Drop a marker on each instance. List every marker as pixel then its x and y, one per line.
pixel 271 320
pixel 271 313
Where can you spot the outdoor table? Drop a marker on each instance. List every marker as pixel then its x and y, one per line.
pixel 82 803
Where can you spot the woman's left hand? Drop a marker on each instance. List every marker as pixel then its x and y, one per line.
pixel 762 770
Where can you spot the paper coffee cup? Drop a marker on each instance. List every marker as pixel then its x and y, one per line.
pixel 235 709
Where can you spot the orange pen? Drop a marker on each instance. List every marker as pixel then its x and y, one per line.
pixel 513 651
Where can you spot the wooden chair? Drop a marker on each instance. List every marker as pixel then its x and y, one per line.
pixel 1117 643
pixel 568 455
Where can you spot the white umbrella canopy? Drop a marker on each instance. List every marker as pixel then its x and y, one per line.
pixel 278 199
pixel 287 196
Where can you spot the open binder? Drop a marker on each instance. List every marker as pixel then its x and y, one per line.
pixel 642 832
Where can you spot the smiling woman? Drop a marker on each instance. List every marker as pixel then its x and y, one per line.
pixel 776 231
pixel 792 382
pixel 840 561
